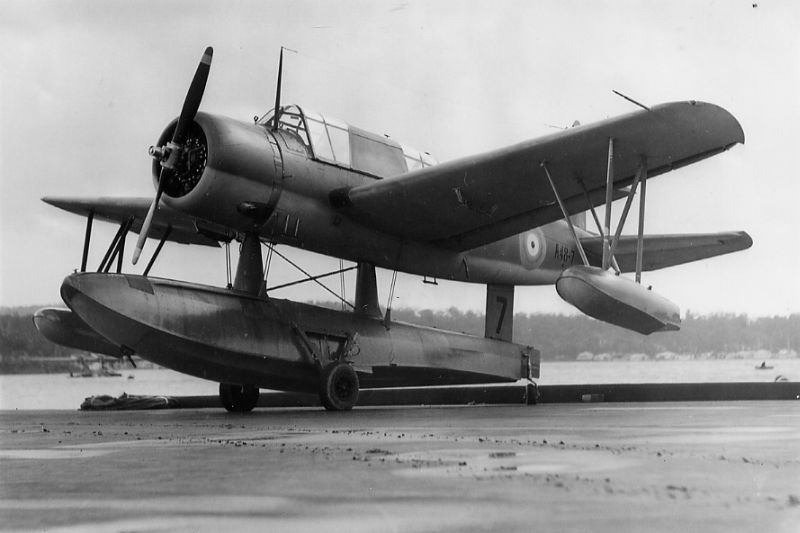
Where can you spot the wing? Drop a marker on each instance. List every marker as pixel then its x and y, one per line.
pixel 662 251
pixel 184 228
pixel 477 200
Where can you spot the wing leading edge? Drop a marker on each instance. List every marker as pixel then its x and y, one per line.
pixel 476 200
pixel 184 228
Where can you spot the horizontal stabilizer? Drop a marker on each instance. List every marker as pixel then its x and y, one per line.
pixel 119 210
pixel 661 251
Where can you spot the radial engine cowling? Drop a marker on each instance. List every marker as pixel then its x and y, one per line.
pixel 229 173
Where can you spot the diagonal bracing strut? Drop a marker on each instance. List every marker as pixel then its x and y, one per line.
pixel 641 175
pixel 543 164
pixel 609 243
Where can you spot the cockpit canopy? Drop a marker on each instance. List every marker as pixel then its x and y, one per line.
pixel 335 142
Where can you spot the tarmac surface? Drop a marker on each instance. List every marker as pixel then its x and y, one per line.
pixel 710 466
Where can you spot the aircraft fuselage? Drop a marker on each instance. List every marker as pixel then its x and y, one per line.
pixel 265 181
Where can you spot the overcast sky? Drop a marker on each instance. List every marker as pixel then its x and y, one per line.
pixel 86 87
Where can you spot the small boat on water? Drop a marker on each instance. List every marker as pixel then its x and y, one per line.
pixel 763 366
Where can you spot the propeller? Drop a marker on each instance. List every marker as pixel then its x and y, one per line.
pixel 170 154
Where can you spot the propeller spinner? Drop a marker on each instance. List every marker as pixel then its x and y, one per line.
pixel 171 153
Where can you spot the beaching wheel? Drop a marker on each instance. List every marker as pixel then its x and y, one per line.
pixel 338 387
pixel 238 398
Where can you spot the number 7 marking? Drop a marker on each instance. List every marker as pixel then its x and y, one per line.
pixel 502 300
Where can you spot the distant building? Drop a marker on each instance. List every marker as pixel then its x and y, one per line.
pixel 666 356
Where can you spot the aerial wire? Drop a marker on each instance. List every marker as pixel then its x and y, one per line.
pixel 631 100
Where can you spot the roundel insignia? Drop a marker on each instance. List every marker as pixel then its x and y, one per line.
pixel 533 248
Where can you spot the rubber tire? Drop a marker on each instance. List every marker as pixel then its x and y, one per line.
pixel 238 398
pixel 338 387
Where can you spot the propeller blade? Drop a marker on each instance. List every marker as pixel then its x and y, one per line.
pixel 193 97
pixel 148 219
pixel 190 106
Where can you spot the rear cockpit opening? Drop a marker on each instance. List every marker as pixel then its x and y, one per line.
pixel 335 142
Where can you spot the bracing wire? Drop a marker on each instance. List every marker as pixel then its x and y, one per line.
pixel 312 278
pixel 309 276
pixel 391 290
pixel 267 264
pixel 387 318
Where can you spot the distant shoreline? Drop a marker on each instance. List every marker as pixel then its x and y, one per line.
pixel 41 366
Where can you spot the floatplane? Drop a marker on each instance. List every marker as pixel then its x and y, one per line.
pixel 295 177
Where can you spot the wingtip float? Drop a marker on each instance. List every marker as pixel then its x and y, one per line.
pixel 617 300
pixel 63 327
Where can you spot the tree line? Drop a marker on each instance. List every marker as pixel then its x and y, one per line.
pixel 22 348
pixel 563 337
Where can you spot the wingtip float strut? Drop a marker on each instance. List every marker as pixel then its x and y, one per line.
pixel 602 294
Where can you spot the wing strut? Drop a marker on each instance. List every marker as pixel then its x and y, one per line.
pixel 597 221
pixel 543 164
pixel 116 247
pixel 609 199
pixel 640 240
pixel 591 206
pixel 610 243
pixel 158 251
pixel 641 173
pixel 603 295
pixel 86 238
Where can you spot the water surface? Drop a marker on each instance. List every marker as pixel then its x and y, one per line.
pixel 59 391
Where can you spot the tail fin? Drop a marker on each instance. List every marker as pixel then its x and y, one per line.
pixel 579 220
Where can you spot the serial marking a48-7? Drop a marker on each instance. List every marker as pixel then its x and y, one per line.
pixel 514 216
